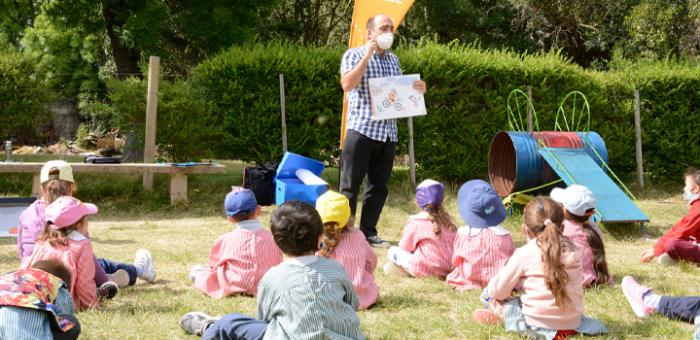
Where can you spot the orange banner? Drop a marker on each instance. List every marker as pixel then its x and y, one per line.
pixel 363 10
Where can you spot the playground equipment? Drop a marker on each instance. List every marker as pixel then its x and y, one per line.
pixel 521 162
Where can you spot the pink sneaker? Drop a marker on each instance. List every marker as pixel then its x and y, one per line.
pixel 634 292
pixel 485 317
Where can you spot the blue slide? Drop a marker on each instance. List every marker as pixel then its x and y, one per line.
pixel 575 166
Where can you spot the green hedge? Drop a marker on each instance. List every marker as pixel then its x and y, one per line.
pixel 24 100
pixel 466 104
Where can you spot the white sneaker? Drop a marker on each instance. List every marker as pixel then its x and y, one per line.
pixel 666 260
pixel 144 260
pixel 196 323
pixel 120 277
pixel 395 270
pixel 195 271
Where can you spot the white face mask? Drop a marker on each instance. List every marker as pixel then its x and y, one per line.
pixel 689 196
pixel 385 40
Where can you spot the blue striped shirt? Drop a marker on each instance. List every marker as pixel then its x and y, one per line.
pixel 308 297
pixel 359 105
pixel 19 323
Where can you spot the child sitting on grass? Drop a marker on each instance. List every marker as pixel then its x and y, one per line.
pixel 35 303
pixel 428 238
pixel 549 269
pixel 680 242
pixel 645 303
pixel 240 258
pixel 305 297
pixel 579 206
pixel 347 245
pixel 482 246
pixel 57 180
pixel 65 237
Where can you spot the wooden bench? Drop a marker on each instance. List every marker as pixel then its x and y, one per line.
pixel 178 175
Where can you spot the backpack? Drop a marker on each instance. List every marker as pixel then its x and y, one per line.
pixel 260 179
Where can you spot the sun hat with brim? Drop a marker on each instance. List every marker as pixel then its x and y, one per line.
pixel 430 192
pixel 66 210
pixel 65 171
pixel 333 207
pixel 240 201
pixel 577 199
pixel 479 204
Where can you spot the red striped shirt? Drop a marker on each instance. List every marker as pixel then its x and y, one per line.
pixel 431 253
pixel 359 260
pixel 479 257
pixel 237 262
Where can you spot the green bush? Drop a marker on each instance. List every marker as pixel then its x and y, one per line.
pixel 185 128
pixel 466 104
pixel 24 114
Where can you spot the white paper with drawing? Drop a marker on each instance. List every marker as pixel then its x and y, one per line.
pixel 395 97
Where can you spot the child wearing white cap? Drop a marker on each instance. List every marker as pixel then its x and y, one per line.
pixel 342 242
pixel 579 205
pixel 482 246
pixel 428 238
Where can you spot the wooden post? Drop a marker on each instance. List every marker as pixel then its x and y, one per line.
pixel 411 155
pixel 149 149
pixel 284 116
pixel 178 188
pixel 638 133
pixel 529 109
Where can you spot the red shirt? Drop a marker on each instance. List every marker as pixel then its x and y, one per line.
pixel 687 227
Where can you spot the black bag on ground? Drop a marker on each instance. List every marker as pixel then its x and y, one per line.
pixel 260 179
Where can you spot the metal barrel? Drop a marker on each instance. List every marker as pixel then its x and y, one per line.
pixel 515 163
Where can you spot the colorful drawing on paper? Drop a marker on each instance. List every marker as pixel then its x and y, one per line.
pixel 394 97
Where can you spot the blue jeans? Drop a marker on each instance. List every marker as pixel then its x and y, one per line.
pixel 684 308
pixel 236 326
pixel 111 267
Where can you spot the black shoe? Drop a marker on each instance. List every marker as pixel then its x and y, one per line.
pixel 107 290
pixel 377 242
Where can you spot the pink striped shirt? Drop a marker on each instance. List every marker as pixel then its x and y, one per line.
pixel 478 256
pixel 574 231
pixel 431 253
pixel 359 260
pixel 80 259
pixel 237 262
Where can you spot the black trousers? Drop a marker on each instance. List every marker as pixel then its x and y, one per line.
pixel 684 308
pixel 363 156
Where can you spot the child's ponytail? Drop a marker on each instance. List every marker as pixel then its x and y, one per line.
pixel 441 218
pixel 329 239
pixel 543 217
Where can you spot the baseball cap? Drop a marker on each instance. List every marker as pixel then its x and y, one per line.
pixel 240 201
pixel 66 210
pixel 333 207
pixel 479 204
pixel 430 192
pixel 577 199
pixel 65 172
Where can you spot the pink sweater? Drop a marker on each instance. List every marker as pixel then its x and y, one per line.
pixel 432 254
pixel 574 231
pixel 539 307
pixel 31 224
pixel 79 258
pixel 359 260
pixel 479 254
pixel 237 262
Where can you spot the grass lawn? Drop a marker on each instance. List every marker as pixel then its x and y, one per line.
pixel 181 236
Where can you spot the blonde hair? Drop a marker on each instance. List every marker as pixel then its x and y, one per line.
pixel 441 218
pixel 543 218
pixel 331 236
pixel 55 188
pixel 58 237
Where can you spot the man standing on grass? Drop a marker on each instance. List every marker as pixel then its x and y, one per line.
pixel 369 145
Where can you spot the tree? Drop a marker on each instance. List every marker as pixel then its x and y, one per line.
pixel 310 22
pixel 15 17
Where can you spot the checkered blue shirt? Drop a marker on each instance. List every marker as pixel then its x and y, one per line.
pixel 359 107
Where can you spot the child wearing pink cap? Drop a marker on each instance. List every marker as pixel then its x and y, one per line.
pixel 427 243
pixel 240 258
pixel 579 206
pixel 64 238
pixel 347 245
pixel 482 247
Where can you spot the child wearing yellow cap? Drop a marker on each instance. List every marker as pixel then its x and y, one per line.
pixel 342 242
